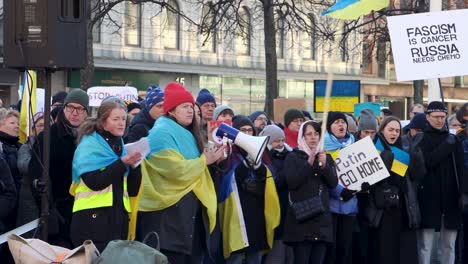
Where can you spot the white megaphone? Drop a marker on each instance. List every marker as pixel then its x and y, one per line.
pixel 254 146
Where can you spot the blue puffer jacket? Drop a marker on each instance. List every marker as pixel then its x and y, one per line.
pixel 338 206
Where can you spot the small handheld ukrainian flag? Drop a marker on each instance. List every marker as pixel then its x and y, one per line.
pixel 401 158
pixel 353 9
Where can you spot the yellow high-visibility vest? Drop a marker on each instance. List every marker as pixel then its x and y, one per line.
pixel 85 198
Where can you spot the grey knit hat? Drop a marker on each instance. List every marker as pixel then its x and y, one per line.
pixel 367 120
pixel 273 131
pixel 219 109
pixel 78 96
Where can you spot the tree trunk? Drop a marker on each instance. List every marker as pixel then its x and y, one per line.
pixel 87 73
pixel 271 66
pixel 466 3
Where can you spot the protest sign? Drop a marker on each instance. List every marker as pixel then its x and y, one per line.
pixel 375 107
pixel 429 45
pixel 358 163
pixel 98 93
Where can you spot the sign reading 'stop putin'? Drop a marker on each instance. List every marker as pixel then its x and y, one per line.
pixel 429 45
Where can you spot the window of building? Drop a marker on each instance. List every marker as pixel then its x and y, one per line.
pixel 280 36
pixel 309 40
pixel 172 26
pixel 97 25
pixel 208 37
pixel 132 24
pixel 382 58
pixel 366 58
pixel 243 33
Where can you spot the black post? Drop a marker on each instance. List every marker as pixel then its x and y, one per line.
pixel 45 159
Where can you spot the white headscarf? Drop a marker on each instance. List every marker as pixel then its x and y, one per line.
pixel 301 144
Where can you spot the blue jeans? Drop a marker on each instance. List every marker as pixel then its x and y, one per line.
pixel 250 258
pixel 446 245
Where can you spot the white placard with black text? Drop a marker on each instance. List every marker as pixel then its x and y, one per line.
pixel 98 93
pixel 359 163
pixel 430 45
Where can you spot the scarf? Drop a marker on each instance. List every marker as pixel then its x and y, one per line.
pixel 332 144
pixel 291 137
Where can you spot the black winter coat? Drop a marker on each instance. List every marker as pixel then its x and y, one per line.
pixel 8 194
pixel 10 147
pixel 303 182
pixel 251 185
pixel 9 153
pixel 104 224
pixel 278 159
pixel 140 126
pixel 62 150
pixel 439 192
pixel 180 227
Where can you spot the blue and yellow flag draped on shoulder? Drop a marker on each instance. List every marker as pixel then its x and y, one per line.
pixel 174 168
pixel 353 9
pixel 232 222
pixel 401 158
pixel 93 153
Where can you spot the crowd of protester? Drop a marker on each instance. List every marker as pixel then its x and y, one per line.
pixel 214 203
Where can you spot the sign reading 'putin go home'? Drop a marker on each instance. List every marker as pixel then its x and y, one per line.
pixel 429 45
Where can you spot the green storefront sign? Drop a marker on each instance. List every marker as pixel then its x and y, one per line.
pixel 138 79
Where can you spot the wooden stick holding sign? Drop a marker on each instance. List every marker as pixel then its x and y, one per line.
pixel 326 104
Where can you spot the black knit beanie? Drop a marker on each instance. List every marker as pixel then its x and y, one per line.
pixel 332 117
pixel 292 114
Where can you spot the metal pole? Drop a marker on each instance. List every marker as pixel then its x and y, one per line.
pixel 434 87
pixel 45 159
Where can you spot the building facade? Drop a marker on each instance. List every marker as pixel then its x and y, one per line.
pixel 142 44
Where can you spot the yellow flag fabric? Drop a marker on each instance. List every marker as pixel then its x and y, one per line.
pixel 28 105
pixel 353 9
pixel 167 177
pixel 272 208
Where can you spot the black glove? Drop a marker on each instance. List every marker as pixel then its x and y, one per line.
pixel 365 186
pixel 39 186
pixel 347 194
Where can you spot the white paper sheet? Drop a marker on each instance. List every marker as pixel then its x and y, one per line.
pixel 141 146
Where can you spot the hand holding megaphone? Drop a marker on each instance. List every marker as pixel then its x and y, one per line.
pixel 254 146
pixel 213 154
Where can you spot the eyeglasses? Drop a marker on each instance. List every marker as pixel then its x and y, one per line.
pixel 246 130
pixel 261 119
pixel 71 109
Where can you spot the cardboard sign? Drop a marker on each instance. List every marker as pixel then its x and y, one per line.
pixel 358 163
pixel 98 93
pixel 429 45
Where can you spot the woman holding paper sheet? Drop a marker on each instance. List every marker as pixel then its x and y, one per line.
pixel 309 173
pixel 103 179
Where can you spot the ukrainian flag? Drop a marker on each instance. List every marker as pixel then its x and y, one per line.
pixel 353 9
pixel 401 158
pixel 28 104
pixel 173 169
pixel 231 216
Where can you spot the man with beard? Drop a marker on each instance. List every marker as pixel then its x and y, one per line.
pixel 62 148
